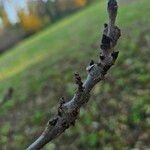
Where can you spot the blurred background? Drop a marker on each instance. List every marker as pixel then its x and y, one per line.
pixel 22 18
pixel 42 44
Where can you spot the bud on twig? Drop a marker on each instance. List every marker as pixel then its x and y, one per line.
pixel 112 11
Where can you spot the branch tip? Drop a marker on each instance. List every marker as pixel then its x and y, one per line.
pixel 112 11
pixel 112 6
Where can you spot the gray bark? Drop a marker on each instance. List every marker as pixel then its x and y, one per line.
pixel 68 111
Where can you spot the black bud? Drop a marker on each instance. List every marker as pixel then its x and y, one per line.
pixel 73 123
pixel 106 39
pixel 92 62
pixel 115 55
pixel 59 112
pixel 105 25
pixel 105 42
pixel 62 101
pixel 53 121
pixel 102 57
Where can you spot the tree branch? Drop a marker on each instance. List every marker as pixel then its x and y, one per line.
pixel 68 111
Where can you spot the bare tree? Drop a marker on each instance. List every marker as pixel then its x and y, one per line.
pixel 68 111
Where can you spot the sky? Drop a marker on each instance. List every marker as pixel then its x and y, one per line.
pixel 10 6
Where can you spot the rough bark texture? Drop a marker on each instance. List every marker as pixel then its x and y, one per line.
pixel 68 111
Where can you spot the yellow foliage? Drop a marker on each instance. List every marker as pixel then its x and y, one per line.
pixel 5 19
pixel 80 3
pixel 30 22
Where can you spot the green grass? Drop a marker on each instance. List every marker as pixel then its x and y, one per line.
pixel 53 44
pixel 41 68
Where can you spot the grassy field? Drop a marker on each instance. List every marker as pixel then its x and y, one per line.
pixel 40 70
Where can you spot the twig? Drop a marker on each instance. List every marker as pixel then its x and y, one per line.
pixel 68 111
pixel 7 96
